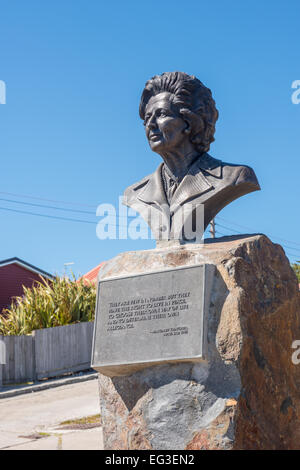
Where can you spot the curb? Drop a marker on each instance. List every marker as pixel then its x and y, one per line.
pixel 51 383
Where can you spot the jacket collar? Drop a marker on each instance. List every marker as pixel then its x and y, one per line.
pixel 193 184
pixel 210 165
pixel 153 191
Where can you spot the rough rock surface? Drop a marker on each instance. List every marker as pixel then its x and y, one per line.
pixel 247 395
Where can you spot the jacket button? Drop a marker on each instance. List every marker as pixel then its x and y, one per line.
pixel 163 228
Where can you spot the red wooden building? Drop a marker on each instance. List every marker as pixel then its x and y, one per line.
pixel 14 274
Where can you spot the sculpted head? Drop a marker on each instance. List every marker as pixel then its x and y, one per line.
pixel 177 107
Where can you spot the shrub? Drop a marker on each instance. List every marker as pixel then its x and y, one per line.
pixel 296 268
pixel 60 301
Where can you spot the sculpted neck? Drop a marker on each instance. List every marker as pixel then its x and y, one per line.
pixel 179 160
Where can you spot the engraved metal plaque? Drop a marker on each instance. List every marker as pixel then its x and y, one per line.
pixel 151 318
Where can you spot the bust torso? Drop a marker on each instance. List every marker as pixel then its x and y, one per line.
pixel 208 181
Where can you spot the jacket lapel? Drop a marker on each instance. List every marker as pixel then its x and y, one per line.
pixel 195 183
pixel 153 191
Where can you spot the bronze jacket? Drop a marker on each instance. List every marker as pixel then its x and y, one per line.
pixel 208 187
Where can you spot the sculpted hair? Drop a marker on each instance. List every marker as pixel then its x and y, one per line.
pixel 194 100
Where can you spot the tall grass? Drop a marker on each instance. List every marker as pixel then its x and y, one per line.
pixel 49 303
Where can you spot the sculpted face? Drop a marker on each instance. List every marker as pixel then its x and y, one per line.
pixel 163 124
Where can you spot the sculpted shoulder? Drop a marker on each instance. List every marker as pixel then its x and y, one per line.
pixel 239 175
pixel 130 192
pixel 220 174
pixel 228 174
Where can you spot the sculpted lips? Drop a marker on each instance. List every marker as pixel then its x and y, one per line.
pixel 154 136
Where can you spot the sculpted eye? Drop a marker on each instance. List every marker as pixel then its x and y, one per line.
pixel 163 113
pixel 146 120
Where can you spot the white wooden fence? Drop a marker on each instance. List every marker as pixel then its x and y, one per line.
pixel 49 352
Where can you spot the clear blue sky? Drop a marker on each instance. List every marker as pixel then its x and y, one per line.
pixel 70 130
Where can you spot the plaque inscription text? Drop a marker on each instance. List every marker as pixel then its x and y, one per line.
pixel 150 318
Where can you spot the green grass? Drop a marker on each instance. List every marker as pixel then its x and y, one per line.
pixel 86 420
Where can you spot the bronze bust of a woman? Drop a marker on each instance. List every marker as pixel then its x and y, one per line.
pixel 179 115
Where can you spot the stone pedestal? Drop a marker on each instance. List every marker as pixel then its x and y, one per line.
pixel 245 394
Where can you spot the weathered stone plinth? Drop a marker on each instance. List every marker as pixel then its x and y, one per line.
pixel 246 395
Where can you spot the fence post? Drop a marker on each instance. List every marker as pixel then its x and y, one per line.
pixel 2 359
pixel 34 373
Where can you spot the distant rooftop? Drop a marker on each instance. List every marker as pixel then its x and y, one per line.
pixel 92 275
pixel 26 265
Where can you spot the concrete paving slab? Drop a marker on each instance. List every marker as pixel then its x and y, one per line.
pixel 8 439
pixel 78 440
pixel 26 414
pixel 83 440
pixel 46 443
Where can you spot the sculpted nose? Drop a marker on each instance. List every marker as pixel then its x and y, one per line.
pixel 151 124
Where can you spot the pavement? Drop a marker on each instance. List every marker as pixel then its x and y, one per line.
pixel 32 421
pixel 13 390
